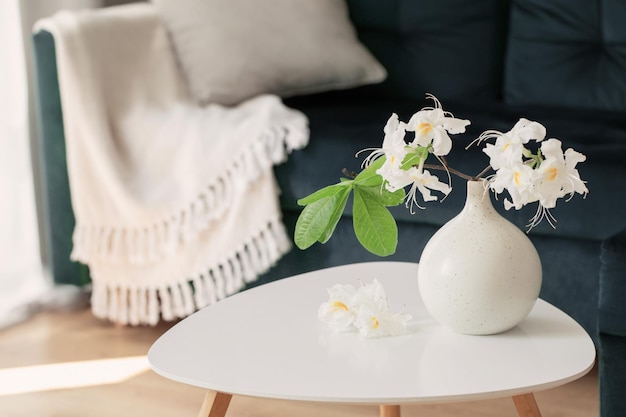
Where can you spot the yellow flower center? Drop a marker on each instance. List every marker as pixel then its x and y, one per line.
pixel 424 128
pixel 516 178
pixel 338 305
pixel 375 322
pixel 551 174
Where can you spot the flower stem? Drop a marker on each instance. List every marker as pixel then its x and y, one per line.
pixel 447 168
pixel 348 173
pixel 483 172
pixel 450 170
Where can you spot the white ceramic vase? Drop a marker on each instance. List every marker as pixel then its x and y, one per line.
pixel 479 274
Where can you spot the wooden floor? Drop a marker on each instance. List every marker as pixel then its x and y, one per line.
pixel 74 365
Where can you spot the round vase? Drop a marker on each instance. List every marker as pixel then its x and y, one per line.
pixel 479 274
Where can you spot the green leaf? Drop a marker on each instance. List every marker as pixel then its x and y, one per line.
pixel 317 217
pixel 384 196
pixel 374 226
pixel 368 177
pixel 335 216
pixel 325 192
pixel 414 158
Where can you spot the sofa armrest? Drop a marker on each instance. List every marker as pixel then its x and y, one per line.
pixel 612 326
pixel 612 296
pixel 58 217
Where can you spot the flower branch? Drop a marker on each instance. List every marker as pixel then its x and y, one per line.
pixel 398 173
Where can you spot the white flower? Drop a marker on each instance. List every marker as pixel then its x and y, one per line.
pixel 365 310
pixel 418 179
pixel 374 320
pixel 394 177
pixel 544 177
pixel 518 179
pixel 432 125
pixel 526 130
pixel 522 132
pixel 338 312
pixel 394 146
pixel 503 155
pixel 424 182
pixel 508 146
pixel 557 175
pixel 373 293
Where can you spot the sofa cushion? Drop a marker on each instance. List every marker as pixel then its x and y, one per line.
pixel 568 53
pixel 232 50
pixel 451 48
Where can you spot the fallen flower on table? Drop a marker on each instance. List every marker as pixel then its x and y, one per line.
pixel 365 310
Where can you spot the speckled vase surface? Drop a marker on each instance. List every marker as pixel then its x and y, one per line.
pixel 479 274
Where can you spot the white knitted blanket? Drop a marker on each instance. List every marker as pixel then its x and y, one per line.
pixel 176 205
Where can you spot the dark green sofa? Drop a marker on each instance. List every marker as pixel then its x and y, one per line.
pixel 560 62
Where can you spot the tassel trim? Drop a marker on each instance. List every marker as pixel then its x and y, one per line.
pixel 129 304
pixel 149 244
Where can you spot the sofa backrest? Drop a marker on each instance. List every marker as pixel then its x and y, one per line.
pixel 450 48
pixel 555 53
pixel 567 53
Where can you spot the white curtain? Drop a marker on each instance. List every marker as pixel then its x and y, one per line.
pixel 24 284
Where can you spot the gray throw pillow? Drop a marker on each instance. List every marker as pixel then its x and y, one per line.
pixel 232 50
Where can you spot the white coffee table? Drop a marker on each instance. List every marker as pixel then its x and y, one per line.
pixel 267 342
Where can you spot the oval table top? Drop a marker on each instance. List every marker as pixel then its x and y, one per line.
pixel 268 342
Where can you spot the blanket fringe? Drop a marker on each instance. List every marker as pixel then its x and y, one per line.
pixel 149 244
pixel 129 304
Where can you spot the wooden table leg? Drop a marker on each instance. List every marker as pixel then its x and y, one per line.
pixel 526 405
pixel 389 411
pixel 215 404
